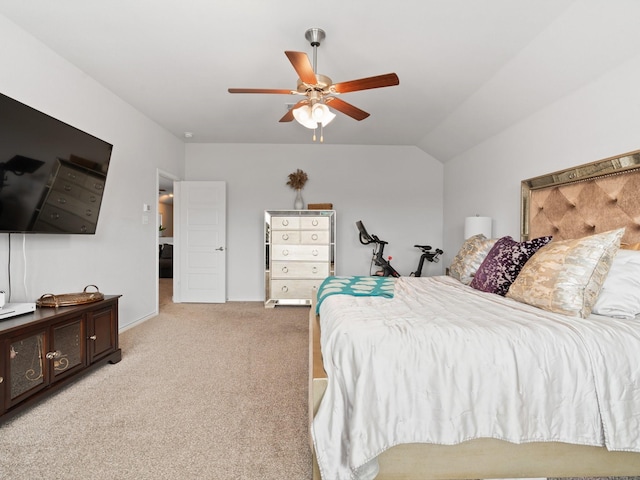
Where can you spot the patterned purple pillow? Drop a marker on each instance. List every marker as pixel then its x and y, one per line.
pixel 503 263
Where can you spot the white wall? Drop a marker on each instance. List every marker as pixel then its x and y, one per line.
pixel 122 257
pixel 395 191
pixel 598 121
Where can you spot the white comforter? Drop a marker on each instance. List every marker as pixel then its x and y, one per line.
pixel 443 363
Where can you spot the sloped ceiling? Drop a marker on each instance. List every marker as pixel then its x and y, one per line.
pixel 468 68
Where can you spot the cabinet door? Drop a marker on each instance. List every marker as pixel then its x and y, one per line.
pixel 27 370
pixel 102 327
pixel 67 352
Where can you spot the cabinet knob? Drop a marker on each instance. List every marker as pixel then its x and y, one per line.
pixel 285 270
pixel 314 270
pixel 52 355
pixel 285 236
pixel 1 379
pixel 314 222
pixel 285 288
pixel 285 222
pixel 314 253
pixel 93 337
pixel 285 252
pixel 314 236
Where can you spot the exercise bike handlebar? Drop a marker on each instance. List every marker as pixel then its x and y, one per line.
pixel 365 238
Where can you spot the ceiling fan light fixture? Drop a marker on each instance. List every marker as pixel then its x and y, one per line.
pixel 303 117
pixel 321 114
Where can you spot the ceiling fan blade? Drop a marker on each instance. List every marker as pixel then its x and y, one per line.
pixel 302 65
pixel 261 90
pixel 346 108
pixel 387 80
pixel 288 117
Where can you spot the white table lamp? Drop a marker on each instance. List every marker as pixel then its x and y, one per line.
pixel 476 225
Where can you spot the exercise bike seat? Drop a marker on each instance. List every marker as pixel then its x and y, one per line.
pixel 423 247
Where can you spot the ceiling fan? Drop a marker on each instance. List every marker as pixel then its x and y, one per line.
pixel 319 90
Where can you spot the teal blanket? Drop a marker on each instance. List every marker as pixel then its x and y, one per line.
pixel 355 286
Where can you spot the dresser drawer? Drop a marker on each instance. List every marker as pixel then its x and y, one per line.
pixel 299 270
pixel 294 289
pixel 314 223
pixel 285 223
pixel 314 253
pixel 314 238
pixel 286 237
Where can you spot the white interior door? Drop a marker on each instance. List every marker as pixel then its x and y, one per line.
pixel 200 242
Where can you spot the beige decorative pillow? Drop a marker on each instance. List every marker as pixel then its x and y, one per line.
pixel 566 276
pixel 465 264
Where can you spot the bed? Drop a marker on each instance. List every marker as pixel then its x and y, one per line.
pixel 545 389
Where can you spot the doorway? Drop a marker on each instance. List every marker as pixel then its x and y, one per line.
pixel 165 234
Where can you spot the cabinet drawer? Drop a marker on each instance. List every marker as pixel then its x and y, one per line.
pixel 285 223
pixel 299 270
pixel 314 238
pixel 314 253
pixel 294 289
pixel 285 237
pixel 314 223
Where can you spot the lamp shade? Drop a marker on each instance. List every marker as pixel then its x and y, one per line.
pixel 476 225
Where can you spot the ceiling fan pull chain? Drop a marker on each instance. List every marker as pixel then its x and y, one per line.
pixel 314 134
pixel 321 133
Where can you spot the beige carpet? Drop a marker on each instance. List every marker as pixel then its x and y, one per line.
pixel 202 392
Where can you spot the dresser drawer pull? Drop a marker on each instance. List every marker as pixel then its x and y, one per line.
pixel 62 200
pixel 314 236
pixel 285 270
pixel 314 253
pixel 285 236
pixel 285 288
pixel 285 252
pixel 285 222
pixel 314 222
pixel 314 270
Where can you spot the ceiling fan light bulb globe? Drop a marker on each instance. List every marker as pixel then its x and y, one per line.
pixel 304 118
pixel 318 112
pixel 328 117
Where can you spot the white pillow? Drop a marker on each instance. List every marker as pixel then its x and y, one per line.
pixel 620 294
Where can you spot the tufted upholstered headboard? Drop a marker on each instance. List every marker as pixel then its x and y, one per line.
pixel 584 200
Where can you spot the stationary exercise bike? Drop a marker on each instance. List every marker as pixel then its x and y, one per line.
pixel 386 270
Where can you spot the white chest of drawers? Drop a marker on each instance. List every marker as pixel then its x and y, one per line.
pixel 299 254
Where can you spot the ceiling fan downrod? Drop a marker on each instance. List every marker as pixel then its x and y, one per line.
pixel 314 36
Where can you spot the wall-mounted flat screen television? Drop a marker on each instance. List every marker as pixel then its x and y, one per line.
pixel 52 175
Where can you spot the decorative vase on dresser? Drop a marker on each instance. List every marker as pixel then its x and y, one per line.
pixel 299 254
pixel 298 203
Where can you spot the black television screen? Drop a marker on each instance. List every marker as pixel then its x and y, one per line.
pixel 52 175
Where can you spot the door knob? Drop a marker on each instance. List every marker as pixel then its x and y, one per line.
pixel 220 249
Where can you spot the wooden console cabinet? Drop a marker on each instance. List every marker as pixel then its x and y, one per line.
pixel 43 351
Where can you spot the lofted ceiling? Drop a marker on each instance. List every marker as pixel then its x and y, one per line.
pixel 468 69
